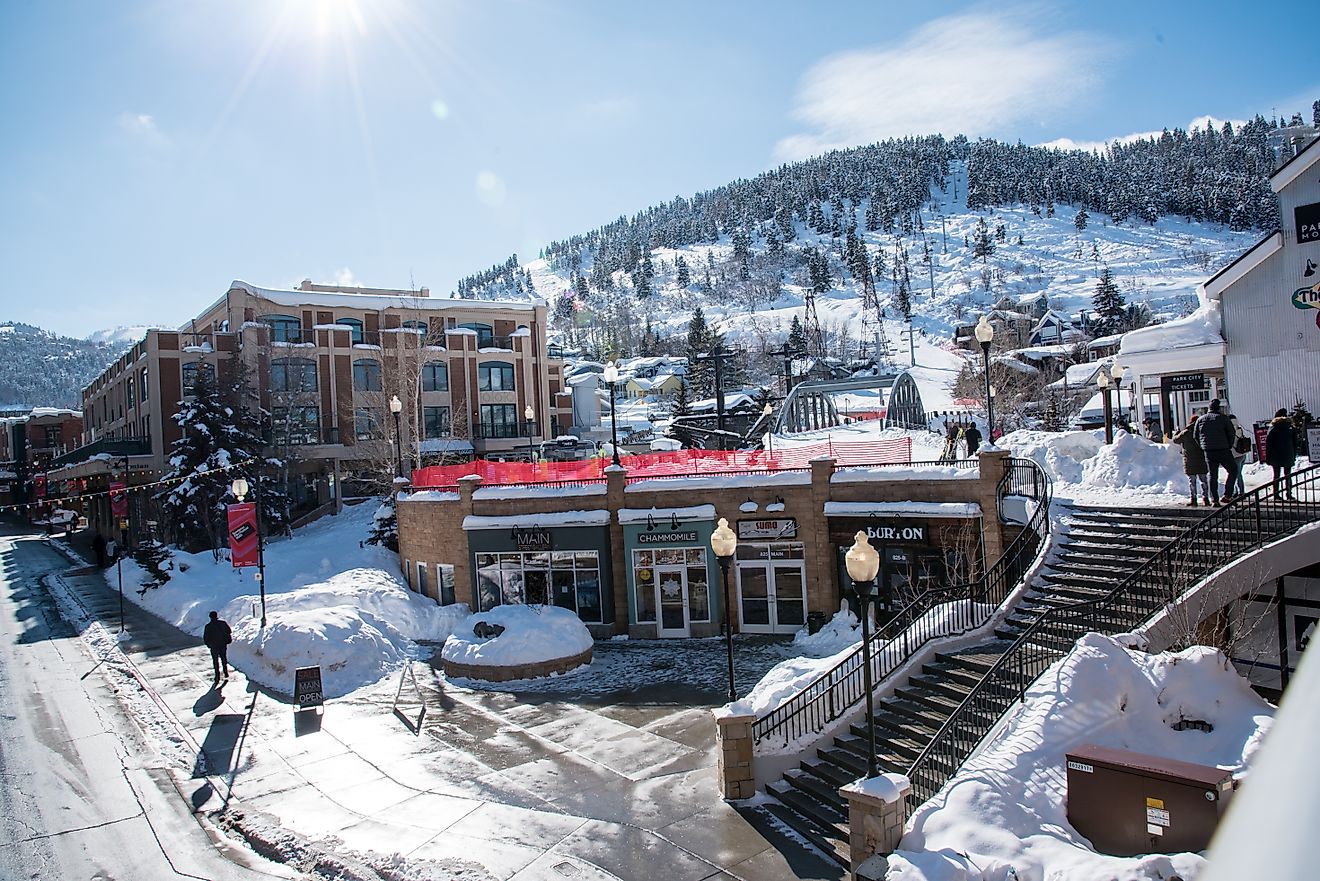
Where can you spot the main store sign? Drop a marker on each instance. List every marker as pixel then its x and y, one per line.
pixel 686 537
pixel 532 539
pixel 1183 382
pixel 1307 218
pixel 782 528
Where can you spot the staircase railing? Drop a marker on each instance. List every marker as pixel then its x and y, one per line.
pixel 1242 525
pixel 970 605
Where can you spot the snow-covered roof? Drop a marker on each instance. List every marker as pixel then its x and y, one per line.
pixel 445 445
pixel 52 411
pixel 896 509
pixel 642 515
pixel 403 299
pixel 1198 329
pixel 553 518
pixel 1101 341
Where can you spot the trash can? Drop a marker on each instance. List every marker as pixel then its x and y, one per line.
pixel 1128 803
pixel 815 621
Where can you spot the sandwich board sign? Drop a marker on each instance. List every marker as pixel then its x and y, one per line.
pixel 307 688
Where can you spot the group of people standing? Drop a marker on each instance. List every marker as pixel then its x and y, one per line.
pixel 1217 440
pixel 956 432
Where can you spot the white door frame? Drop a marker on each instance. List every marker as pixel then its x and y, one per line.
pixel 662 574
pixel 772 598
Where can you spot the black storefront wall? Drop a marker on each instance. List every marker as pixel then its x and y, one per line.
pixel 567 566
pixel 915 554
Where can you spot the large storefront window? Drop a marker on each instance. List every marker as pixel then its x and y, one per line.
pixel 772 595
pixel 568 579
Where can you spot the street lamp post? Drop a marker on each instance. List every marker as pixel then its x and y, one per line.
pixel 528 416
pixel 725 543
pixel 767 411
pixel 863 562
pixel 1116 374
pixel 985 335
pixel 611 377
pixel 396 407
pixel 1102 380
pixel 240 490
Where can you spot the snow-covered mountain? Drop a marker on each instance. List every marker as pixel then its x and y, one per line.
pixel 123 335
pixel 43 369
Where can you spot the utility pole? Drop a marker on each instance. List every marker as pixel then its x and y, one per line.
pixel 717 357
pixel 788 355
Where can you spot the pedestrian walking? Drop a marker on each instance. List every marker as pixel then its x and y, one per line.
pixel 1281 450
pixel 973 437
pixel 217 637
pixel 98 548
pixel 1241 446
pixel 1194 464
pixel 1214 434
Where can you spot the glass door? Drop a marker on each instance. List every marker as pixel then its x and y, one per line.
pixel 754 597
pixel 790 606
pixel 672 601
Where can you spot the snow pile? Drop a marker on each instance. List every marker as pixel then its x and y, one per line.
pixel 1005 813
pixel 1197 329
pixel 1132 461
pixel 329 602
pixel 843 631
pixel 532 635
pixel 1060 454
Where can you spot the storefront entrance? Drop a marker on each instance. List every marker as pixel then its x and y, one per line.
pixel 772 594
pixel 671 598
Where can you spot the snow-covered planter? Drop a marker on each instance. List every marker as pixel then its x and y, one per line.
pixel 536 641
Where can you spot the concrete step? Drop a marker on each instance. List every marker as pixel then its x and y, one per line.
pixel 834 846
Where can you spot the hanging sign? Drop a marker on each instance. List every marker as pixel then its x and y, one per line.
pixel 39 486
pixel 1307 219
pixel 243 545
pixel 118 499
pixel 1261 430
pixel 307 687
pixel 781 528
pixel 1183 382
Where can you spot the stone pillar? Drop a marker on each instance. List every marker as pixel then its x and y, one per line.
pixel 616 480
pixel 735 761
pixel 822 582
pixel 877 813
pixel 992 466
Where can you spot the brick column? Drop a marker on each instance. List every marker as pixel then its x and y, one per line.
pixel 877 813
pixel 464 579
pixel 822 586
pixel 992 466
pixel 615 481
pixel 735 760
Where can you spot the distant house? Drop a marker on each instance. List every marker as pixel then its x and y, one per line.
pixel 1054 329
pixel 1012 330
pixel 1103 347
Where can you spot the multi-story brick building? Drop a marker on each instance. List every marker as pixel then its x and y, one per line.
pixel 471 377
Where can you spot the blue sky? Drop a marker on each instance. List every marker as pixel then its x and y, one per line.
pixel 153 151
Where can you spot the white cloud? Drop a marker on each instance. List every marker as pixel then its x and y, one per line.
pixel 490 188
pixel 971 74
pixel 345 278
pixel 142 126
pixel 1199 123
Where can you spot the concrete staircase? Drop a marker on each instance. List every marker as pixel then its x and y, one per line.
pixel 1095 549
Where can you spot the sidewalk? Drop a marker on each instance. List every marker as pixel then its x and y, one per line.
pixel 524 787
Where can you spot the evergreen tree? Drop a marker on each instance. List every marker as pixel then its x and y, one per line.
pixel 385 526
pixel 1052 419
pixel 797 336
pixel 684 275
pixel 1080 220
pixel 682 403
pixel 700 341
pixel 984 245
pixel 1110 307
pixel 1315 114
pixel 156 563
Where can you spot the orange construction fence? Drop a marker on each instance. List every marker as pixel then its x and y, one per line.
pixel 677 463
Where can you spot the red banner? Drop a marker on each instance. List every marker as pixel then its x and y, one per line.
pixel 118 499
pixel 243 534
pixel 39 486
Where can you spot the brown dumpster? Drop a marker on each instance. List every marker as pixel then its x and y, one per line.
pixel 1128 803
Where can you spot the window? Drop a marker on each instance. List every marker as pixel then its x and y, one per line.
pixel 485 333
pixel 568 579
pixel 366 424
pixel 283 328
pixel 355 326
pixel 419 327
pixel 366 375
pixel 131 387
pixel 435 377
pixel 421 577
pixel 293 375
pixel 495 376
pixel 435 422
pixel 294 426
pixel 195 372
pixel 144 385
pixel 499 420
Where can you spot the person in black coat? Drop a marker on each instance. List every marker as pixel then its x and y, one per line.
pixel 98 548
pixel 1215 435
pixel 217 637
pixel 973 437
pixel 1281 450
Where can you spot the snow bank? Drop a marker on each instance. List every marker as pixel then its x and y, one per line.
pixel 1082 457
pixel 1060 454
pixel 532 635
pixel 842 631
pixel 329 602
pixel 1005 813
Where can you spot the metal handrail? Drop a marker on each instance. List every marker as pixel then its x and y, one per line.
pixel 1240 526
pixel 839 689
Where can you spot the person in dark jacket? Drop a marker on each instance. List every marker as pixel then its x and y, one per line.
pixel 1215 435
pixel 98 548
pixel 217 637
pixel 973 437
pixel 1281 450
pixel 1194 464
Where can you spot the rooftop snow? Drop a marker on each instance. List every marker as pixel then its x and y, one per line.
pixel 894 509
pixel 1201 328
pixel 553 518
pixel 641 515
pixel 403 300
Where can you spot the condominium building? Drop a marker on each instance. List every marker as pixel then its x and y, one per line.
pixel 327 362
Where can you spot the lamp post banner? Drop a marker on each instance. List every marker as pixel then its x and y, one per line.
pixel 243 534
pixel 118 499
